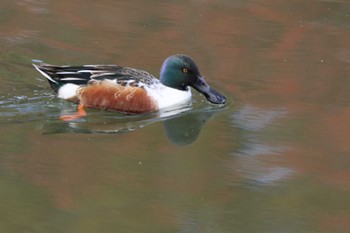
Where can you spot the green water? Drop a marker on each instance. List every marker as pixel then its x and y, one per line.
pixel 276 158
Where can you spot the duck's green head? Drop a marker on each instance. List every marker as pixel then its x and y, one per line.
pixel 180 71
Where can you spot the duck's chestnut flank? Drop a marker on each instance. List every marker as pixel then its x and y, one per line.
pixel 108 96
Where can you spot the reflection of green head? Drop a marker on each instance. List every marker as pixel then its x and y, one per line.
pixel 185 129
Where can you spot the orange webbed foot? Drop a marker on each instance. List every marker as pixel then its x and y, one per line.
pixel 79 114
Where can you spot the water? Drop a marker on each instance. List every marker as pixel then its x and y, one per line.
pixel 276 158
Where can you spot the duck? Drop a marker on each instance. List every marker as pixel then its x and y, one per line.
pixel 126 89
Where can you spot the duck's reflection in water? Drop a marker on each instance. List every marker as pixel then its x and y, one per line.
pixel 184 129
pixel 182 126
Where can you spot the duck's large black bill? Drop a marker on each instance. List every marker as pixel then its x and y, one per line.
pixel 212 95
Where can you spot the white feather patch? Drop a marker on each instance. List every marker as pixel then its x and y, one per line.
pixel 68 91
pixel 168 97
pixel 66 72
pixel 71 79
pixel 85 71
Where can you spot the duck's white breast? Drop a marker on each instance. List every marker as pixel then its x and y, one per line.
pixel 168 97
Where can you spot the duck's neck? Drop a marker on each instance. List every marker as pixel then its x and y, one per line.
pixel 168 80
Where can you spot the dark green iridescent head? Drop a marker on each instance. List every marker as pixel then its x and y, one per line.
pixel 180 71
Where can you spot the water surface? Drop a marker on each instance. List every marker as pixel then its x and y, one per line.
pixel 274 159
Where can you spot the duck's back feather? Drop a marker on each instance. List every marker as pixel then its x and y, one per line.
pixel 81 75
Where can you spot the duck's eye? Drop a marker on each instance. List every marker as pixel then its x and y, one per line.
pixel 185 70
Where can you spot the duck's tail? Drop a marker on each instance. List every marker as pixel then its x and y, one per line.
pixel 61 75
pixel 48 73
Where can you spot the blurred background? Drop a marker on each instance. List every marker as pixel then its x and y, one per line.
pixel 276 158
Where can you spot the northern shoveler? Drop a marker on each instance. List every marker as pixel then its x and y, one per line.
pixel 125 89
